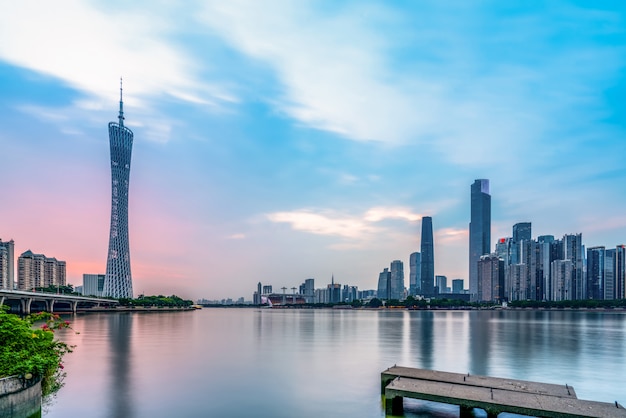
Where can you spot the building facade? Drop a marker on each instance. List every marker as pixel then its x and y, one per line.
pixel 37 270
pixel 118 278
pixel 490 278
pixel 7 265
pixel 93 284
pixel 397 279
pixel 427 266
pixel 415 273
pixel 479 229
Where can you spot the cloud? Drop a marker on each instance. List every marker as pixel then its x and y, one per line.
pixel 369 73
pixel 89 48
pixel 354 228
pixel 237 236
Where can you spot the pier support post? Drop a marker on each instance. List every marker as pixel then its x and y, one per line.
pixel 394 406
pixel 466 411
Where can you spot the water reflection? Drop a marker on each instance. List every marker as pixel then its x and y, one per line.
pixel 421 331
pixel 272 363
pixel 120 330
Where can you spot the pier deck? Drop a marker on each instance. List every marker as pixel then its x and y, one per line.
pixel 494 395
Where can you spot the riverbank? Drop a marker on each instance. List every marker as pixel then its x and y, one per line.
pixel 138 309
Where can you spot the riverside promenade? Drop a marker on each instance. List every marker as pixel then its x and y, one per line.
pixel 492 394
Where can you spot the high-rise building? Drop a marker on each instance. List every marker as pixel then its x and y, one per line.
pixel 457 285
pixel 595 272
pixel 118 280
pixel 384 285
pixel 479 229
pixel 573 250
pixel 490 278
pixel 427 266
pixel 415 273
pixel 37 270
pixel 441 284
pixel 308 290
pixel 93 284
pixel 522 231
pixel 561 277
pixel 620 272
pixel 397 279
pixel 7 264
pixel 609 274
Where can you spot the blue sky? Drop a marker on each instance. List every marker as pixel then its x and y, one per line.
pixel 277 141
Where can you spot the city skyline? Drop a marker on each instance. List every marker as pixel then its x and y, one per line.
pixel 260 157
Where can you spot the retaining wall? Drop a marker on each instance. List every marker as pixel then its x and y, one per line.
pixel 20 398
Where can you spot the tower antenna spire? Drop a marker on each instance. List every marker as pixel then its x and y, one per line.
pixel 121 115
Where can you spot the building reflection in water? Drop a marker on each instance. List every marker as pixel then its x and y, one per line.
pixel 422 337
pixel 479 346
pixel 120 330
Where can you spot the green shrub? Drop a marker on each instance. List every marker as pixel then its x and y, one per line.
pixel 29 350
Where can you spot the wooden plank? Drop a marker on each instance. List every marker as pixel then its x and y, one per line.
pixel 477 380
pixel 495 401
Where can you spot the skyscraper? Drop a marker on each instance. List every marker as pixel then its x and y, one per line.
pixel 7 264
pixel 118 280
pixel 479 230
pixel 415 281
pixel 427 266
pixel 397 279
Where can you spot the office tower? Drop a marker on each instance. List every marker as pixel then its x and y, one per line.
pixel 609 274
pixel 397 279
pixel 522 231
pixel 93 284
pixel 620 272
pixel 384 285
pixel 441 283
pixel 118 280
pixel 516 286
pixel 7 264
pixel 490 278
pixel 479 229
pixel 503 249
pixel 256 296
pixel 415 273
pixel 561 276
pixel 37 270
pixel 573 250
pixel 4 268
pixel 267 289
pixel 545 258
pixel 334 291
pixel 595 272
pixel 457 286
pixel 308 290
pixel 427 266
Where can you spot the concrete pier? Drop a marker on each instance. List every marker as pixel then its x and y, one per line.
pixel 494 395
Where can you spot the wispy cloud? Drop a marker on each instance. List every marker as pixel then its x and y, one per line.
pixel 363 227
pixel 440 93
pixel 89 48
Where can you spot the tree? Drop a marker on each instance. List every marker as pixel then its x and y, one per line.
pixel 375 303
pixel 32 352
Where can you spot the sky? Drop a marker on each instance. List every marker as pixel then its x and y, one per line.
pixel 277 141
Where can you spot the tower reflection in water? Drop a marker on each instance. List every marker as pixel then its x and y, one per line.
pixel 121 396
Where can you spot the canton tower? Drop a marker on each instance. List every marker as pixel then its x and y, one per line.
pixel 118 281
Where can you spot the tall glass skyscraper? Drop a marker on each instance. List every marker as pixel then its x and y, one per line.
pixel 479 230
pixel 118 281
pixel 427 266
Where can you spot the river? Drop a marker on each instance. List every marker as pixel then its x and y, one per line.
pixel 318 363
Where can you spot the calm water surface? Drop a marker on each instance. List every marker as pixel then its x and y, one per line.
pixel 318 363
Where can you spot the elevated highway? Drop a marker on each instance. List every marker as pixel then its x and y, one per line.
pixel 26 302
